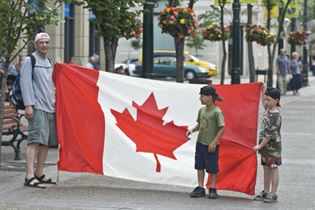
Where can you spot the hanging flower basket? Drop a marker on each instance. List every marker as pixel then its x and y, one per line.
pixel 297 37
pixel 178 22
pixel 259 34
pixel 132 27
pixel 214 33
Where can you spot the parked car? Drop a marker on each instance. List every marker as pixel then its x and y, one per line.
pixel 188 59
pixel 166 67
pixel 129 67
pixel 131 61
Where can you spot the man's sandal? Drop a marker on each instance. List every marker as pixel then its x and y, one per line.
pixel 30 183
pixel 42 180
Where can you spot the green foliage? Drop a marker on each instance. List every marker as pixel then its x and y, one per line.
pixel 20 21
pixel 115 18
pixel 270 3
pixel 209 17
pixel 136 44
pixel 196 42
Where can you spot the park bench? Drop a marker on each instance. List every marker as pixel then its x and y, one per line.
pixel 13 129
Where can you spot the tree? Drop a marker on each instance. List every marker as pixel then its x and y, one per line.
pixel 222 5
pixel 206 18
pixel 114 19
pixel 179 22
pixel 217 32
pixel 269 4
pixel 19 21
pixel 196 43
pixel 251 60
pixel 209 17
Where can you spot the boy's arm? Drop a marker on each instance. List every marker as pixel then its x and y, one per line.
pixel 262 144
pixel 216 139
pixel 194 129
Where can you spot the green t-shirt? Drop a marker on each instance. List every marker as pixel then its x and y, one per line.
pixel 210 120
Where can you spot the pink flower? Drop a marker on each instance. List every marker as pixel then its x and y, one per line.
pixel 171 22
pixel 172 18
pixel 175 13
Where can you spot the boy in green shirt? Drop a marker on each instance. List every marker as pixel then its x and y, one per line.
pixel 210 124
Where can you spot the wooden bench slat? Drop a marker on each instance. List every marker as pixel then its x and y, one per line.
pixel 11 126
pixel 9 121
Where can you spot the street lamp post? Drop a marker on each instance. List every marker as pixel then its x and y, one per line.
pixel 293 28
pixel 305 65
pixel 280 43
pixel 147 50
pixel 236 43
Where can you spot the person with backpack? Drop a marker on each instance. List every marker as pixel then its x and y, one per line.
pixel 38 93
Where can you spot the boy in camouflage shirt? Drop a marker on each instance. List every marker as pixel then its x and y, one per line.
pixel 269 145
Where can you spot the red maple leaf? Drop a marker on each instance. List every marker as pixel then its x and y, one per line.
pixel 149 132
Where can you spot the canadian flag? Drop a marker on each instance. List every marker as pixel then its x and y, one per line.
pixel 135 128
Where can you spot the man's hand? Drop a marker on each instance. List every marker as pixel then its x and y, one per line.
pixel 28 112
pixel 212 147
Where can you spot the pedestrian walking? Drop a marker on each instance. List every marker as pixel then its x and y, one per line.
pixel 313 64
pixel 38 92
pixel 269 145
pixel 295 69
pixel 282 66
pixel 210 127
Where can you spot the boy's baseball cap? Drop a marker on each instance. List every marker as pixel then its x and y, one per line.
pixel 273 93
pixel 210 90
pixel 40 36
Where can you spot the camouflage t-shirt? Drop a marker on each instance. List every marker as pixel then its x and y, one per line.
pixel 270 127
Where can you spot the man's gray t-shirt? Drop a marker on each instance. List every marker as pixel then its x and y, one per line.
pixel 38 90
pixel 283 63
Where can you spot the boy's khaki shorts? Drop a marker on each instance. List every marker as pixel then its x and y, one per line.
pixel 42 128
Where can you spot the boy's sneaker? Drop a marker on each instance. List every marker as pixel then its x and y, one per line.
pixel 213 193
pixel 271 198
pixel 260 196
pixel 198 192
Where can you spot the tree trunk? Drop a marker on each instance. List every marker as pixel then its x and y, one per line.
pixel 223 63
pixel 110 47
pixel 270 62
pixel 179 47
pixel 251 59
pixel 272 54
pixel 2 101
pixel 270 68
pixel 223 44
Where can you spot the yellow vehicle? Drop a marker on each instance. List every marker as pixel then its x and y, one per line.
pixel 189 59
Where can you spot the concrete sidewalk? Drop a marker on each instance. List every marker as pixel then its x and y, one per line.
pixel 90 191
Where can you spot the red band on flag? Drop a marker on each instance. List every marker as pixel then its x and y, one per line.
pixel 79 117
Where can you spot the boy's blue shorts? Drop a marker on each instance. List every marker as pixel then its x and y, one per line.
pixel 206 160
